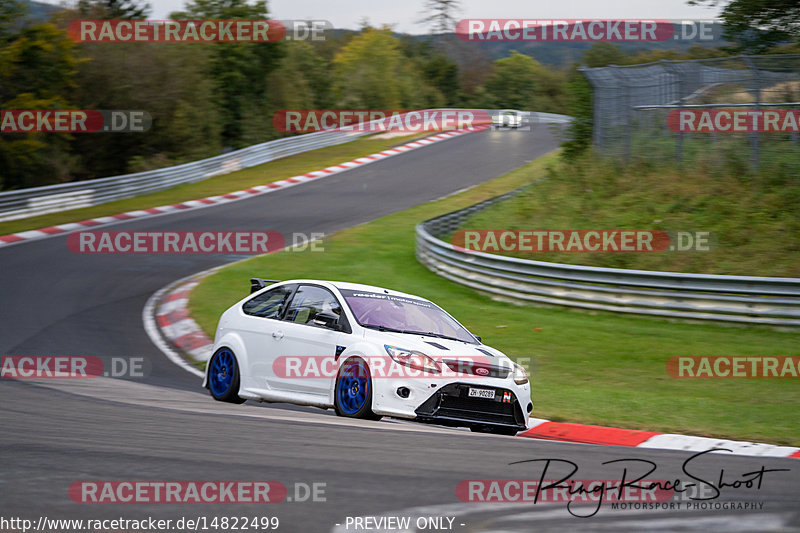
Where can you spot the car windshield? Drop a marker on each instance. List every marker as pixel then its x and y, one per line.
pixel 404 315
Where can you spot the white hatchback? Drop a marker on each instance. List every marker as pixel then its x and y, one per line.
pixel 507 118
pixel 367 352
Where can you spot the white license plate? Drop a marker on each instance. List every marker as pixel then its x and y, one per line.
pixel 481 393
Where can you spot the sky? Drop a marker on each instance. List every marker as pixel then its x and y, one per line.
pixel 405 14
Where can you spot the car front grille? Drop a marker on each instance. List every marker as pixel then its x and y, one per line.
pixel 452 405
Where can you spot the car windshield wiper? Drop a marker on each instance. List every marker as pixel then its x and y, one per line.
pixel 432 334
pixel 383 328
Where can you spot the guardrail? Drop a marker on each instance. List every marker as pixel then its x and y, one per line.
pixel 35 201
pixel 51 198
pixel 746 299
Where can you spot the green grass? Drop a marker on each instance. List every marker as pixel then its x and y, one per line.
pixel 235 181
pixel 590 368
pixel 754 220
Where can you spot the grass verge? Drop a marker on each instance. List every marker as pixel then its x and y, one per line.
pixel 754 221
pixel 590 368
pixel 259 175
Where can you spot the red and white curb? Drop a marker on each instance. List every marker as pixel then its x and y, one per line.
pixel 170 315
pixel 609 436
pixel 25 236
pixel 168 324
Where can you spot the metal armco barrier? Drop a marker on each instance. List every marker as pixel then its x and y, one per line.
pixel 35 201
pixel 746 299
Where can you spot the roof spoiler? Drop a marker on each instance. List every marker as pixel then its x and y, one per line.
pixel 256 284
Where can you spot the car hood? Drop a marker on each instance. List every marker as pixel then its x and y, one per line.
pixel 439 348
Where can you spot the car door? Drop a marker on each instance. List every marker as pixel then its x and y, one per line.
pixel 309 349
pixel 261 330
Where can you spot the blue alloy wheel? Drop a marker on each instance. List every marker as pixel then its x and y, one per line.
pixel 223 376
pixel 353 391
pixel 353 388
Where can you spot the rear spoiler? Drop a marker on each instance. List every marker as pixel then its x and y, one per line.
pixel 256 284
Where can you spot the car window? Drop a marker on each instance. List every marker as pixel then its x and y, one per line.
pixel 403 313
pixel 308 301
pixel 268 304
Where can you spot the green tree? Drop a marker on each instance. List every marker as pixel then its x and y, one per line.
pixel 758 25
pixel 438 70
pixel 604 54
pixel 371 72
pixel 38 68
pixel 520 82
pixel 11 13
pixel 171 83
pixel 114 9
pixel 579 132
pixel 241 72
pixel 303 79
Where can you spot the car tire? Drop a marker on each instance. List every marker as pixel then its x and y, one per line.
pixel 494 430
pixel 352 393
pixel 223 376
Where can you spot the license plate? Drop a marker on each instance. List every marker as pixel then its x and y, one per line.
pixel 481 393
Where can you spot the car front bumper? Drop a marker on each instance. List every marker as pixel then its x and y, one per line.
pixel 452 406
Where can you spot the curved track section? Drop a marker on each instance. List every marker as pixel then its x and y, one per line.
pixel 164 427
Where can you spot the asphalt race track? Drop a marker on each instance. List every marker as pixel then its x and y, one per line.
pixel 54 433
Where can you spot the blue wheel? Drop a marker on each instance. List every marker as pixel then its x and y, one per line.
pixel 353 392
pixel 223 376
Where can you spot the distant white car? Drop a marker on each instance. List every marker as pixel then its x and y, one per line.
pixel 507 118
pixel 367 352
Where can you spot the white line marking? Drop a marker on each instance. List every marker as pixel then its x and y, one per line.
pixel 151 328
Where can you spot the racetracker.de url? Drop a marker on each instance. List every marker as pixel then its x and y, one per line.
pixel 44 524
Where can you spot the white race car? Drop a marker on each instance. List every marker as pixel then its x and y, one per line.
pixel 367 352
pixel 507 118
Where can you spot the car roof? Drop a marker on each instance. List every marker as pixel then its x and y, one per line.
pixel 357 287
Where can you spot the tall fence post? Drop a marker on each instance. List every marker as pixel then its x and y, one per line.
pixel 754 135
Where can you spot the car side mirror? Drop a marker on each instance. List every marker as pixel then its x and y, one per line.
pixel 328 320
pixel 477 337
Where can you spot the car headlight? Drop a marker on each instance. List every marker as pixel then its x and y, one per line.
pixel 412 358
pixel 520 374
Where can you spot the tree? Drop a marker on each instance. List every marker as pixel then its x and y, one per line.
pixel 241 72
pixel 520 82
pixel 371 72
pixel 758 25
pixel 439 71
pixel 440 15
pixel 38 67
pixel 303 80
pixel 114 9
pixel 579 131
pixel 604 54
pixel 442 73
pixel 171 83
pixel 11 13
